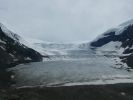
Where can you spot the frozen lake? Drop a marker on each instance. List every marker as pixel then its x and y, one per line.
pixel 85 71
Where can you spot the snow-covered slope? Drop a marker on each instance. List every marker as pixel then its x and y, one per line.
pixel 117 41
pixel 120 37
pixel 13 50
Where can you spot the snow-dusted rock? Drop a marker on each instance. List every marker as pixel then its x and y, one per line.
pixel 118 40
pixel 12 49
pixel 121 37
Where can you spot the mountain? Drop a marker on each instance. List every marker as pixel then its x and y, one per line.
pixel 13 51
pixel 117 40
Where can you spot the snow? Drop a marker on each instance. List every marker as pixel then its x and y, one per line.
pixel 70 65
pixel 32 40
pixel 2 48
pixel 9 33
pixel 117 31
pixel 14 36
pixel 51 48
pixel 22 41
pixel 101 82
pixel 77 69
pixel 98 82
pixel 11 55
pixel 2 42
pixel 28 58
pixel 103 35
pixel 43 47
pixel 114 47
pixel 15 59
pixel 111 46
pixel 130 22
pixel 120 30
pixel 123 27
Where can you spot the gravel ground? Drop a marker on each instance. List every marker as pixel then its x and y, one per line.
pixel 92 92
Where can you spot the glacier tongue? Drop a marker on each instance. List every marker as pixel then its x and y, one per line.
pixel 51 48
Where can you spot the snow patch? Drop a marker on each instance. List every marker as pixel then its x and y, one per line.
pixel 2 48
pixel 111 47
pixel 2 42
pixel 123 27
pixel 101 82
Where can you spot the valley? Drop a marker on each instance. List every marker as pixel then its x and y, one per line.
pixel 44 66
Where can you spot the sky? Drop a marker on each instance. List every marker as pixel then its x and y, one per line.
pixel 64 20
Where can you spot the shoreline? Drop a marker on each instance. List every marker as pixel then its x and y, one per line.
pixel 121 91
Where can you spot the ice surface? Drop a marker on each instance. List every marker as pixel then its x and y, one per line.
pixel 51 48
pixel 92 70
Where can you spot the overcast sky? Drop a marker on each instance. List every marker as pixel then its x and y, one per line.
pixel 64 20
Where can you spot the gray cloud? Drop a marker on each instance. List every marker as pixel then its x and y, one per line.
pixel 64 20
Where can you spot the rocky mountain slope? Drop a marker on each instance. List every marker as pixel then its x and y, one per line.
pixel 13 51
